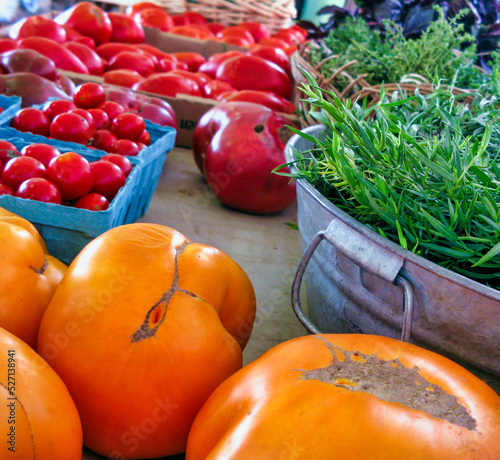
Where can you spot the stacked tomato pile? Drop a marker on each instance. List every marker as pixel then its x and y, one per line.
pixel 87 40
pixel 90 119
pixel 41 172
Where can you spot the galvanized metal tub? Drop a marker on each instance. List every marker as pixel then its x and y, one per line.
pixel 358 281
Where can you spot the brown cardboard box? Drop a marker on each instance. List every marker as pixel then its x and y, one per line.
pixel 173 43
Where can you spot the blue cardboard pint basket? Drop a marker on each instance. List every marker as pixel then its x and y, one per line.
pixel 149 161
pixel 67 230
pixel 10 105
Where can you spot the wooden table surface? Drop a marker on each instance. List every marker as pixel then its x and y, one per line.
pixel 267 248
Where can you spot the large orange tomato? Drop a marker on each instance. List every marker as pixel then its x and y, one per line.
pixel 28 277
pixel 143 327
pixel 349 396
pixel 38 418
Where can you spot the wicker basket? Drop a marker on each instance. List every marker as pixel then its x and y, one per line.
pixel 274 14
pixel 356 87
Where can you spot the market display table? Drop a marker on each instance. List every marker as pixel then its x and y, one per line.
pixel 266 247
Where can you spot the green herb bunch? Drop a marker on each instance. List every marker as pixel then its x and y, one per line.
pixel 422 170
pixel 386 58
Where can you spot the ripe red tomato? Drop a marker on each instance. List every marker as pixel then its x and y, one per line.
pixel 101 119
pixel 41 152
pixel 216 89
pixel 30 119
pixel 141 62
pixel 154 17
pixel 192 59
pixel 139 6
pixel 128 126
pixel 256 73
pixel 92 202
pixel 18 169
pixel 168 84
pixel 104 140
pixel 89 20
pixel 266 98
pixel 57 106
pixel 212 64
pixel 125 147
pixel 194 18
pixel 121 161
pixel 145 138
pixel 39 189
pixel 108 179
pixel 125 28
pixel 89 95
pixel 7 151
pixel 72 175
pixel 112 108
pixel 6 190
pixel 259 31
pixel 88 117
pixel 38 26
pixel 71 127
pixel 273 54
pixel 88 56
pixel 239 32
pixel 122 77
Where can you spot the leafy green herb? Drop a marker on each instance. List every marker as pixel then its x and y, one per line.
pixel 422 170
pixel 390 57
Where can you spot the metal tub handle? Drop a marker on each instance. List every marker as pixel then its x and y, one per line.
pixel 366 254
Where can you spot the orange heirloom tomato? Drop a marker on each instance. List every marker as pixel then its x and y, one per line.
pixel 38 418
pixel 29 277
pixel 143 327
pixel 349 396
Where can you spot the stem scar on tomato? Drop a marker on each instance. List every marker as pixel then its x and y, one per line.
pixel 390 381
pixel 156 314
pixel 41 271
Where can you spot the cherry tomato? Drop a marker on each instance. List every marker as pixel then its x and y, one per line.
pixel 57 106
pixel 108 179
pixel 121 161
pixel 112 108
pixel 104 140
pixel 92 202
pixel 88 117
pixel 101 118
pixel 72 175
pixel 6 190
pixel 7 151
pixel 128 126
pixel 18 169
pixel 89 95
pixel 145 138
pixel 125 147
pixel 39 189
pixel 30 119
pixel 41 152
pixel 71 127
